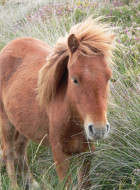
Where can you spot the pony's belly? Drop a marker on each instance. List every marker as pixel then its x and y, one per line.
pixel 23 112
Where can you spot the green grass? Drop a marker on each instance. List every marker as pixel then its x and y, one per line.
pixel 116 161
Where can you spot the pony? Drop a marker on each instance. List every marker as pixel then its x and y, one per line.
pixel 57 96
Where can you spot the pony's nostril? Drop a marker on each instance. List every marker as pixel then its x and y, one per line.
pixel 90 128
pixel 107 127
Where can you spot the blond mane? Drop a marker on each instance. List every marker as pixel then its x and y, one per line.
pixel 94 39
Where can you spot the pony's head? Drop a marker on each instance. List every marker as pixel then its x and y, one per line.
pixel 84 69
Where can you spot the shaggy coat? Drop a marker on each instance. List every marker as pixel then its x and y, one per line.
pixel 61 101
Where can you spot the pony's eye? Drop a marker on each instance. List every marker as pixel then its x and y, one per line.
pixel 74 80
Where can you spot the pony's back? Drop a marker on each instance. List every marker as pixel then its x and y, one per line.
pixel 15 53
pixel 20 62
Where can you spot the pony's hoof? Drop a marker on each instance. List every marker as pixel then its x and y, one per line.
pixel 35 186
pixel 2 163
pixel 15 188
pixel 74 188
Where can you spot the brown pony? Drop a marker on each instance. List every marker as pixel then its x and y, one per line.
pixel 61 101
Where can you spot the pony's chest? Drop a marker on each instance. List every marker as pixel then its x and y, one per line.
pixel 74 141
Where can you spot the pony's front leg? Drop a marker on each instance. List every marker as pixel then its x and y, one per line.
pixel 84 175
pixel 62 163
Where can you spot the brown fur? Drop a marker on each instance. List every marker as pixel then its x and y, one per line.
pixel 64 105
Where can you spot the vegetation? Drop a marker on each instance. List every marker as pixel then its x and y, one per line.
pixel 116 161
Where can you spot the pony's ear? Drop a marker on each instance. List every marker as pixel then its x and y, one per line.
pixel 73 43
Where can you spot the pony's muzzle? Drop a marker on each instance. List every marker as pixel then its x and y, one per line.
pixel 97 132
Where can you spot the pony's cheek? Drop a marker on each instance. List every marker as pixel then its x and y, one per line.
pixel 78 103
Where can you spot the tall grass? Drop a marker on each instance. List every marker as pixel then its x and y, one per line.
pixel 116 161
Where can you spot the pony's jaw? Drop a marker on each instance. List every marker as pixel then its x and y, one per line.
pixel 96 132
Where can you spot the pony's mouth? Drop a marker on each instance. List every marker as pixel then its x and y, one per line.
pixel 96 133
